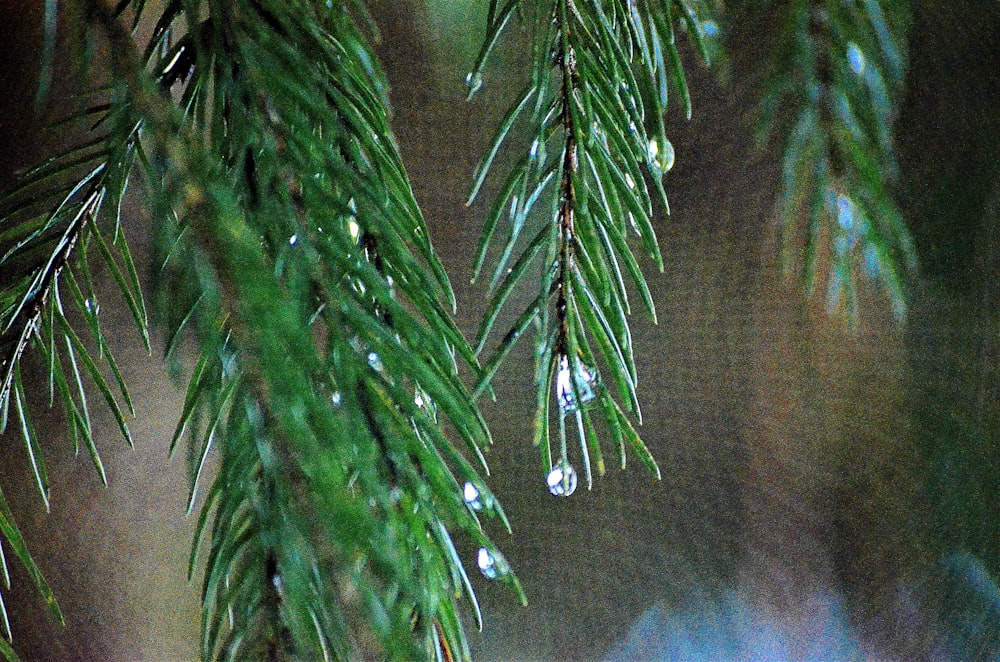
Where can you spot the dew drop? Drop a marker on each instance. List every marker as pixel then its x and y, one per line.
pixel 666 161
pixel 562 480
pixel 336 398
pixel 585 380
pixel 491 564
pixel 845 212
pixel 629 181
pixel 855 59
pixel 353 229
pixel 473 82
pixel 293 240
pixel 471 495
pixel 709 28
pixel 375 361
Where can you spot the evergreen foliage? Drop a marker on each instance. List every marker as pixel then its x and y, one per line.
pixel 331 382
pixel 595 102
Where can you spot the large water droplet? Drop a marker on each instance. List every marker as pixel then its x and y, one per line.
pixel 353 229
pixel 375 361
pixel 855 59
pixel 491 564
pixel 562 480
pixel 709 28
pixel 471 495
pixel 585 379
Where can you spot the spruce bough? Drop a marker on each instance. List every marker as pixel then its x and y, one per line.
pixel 331 382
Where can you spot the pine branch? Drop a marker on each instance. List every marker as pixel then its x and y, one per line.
pixel 291 238
pixel 600 80
pixel 838 72
pixel 57 215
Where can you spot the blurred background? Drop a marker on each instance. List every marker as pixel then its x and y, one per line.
pixel 827 493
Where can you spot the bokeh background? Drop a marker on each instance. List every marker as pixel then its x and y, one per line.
pixel 822 486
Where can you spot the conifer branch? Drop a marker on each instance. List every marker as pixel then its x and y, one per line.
pixel 837 72
pixel 599 82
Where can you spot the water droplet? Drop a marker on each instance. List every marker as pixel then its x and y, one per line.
pixel 293 240
pixel 375 361
pixel 473 82
pixel 845 212
pixel 353 229
pixel 585 378
pixel 666 159
pixel 491 564
pixel 562 480
pixel 471 495
pixel 336 398
pixel 709 28
pixel 855 59
pixel 629 181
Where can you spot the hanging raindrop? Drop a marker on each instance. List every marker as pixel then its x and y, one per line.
pixel 491 564
pixel 845 212
pixel 473 82
pixel 375 361
pixel 585 379
pixel 562 480
pixel 855 59
pixel 471 495
pixel 662 159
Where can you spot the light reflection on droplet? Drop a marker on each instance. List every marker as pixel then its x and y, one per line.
pixel 629 181
pixel 293 240
pixel 709 28
pixel 375 361
pixel 353 229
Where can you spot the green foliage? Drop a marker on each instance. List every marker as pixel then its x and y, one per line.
pixel 59 215
pixel 333 444
pixel 287 225
pixel 837 71
pixel 601 76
